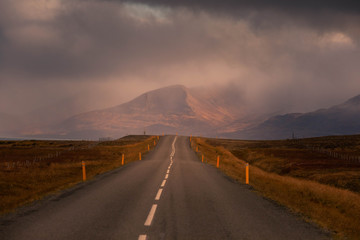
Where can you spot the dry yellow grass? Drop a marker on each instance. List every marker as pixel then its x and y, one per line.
pixel 21 184
pixel 302 158
pixel 335 209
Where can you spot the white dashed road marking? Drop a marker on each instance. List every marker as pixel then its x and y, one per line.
pixel 163 183
pixel 158 195
pixel 142 237
pixel 151 215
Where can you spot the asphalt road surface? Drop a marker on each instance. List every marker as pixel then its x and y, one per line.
pixel 170 194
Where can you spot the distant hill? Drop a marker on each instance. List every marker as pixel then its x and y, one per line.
pixel 208 112
pixel 341 119
pixel 170 110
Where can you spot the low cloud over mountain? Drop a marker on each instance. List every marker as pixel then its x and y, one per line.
pixel 201 111
pixel 169 110
pixel 343 119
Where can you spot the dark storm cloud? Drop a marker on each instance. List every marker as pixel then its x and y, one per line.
pixel 92 39
pixel 351 6
pixel 79 45
pixel 275 54
pixel 97 38
pixel 321 13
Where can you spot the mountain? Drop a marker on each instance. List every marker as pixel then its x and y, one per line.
pixel 209 112
pixel 343 119
pixel 170 110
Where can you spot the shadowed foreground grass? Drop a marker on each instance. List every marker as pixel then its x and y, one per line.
pixel 333 208
pixel 30 170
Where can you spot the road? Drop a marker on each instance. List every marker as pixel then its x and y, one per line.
pixel 168 195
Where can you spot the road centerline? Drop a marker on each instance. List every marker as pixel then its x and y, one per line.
pixel 158 195
pixel 163 183
pixel 142 237
pixel 151 215
pixel 152 212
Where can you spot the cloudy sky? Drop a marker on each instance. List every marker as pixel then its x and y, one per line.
pixel 292 55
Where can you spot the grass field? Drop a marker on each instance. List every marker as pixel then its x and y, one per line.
pixel 309 159
pixel 318 178
pixel 30 170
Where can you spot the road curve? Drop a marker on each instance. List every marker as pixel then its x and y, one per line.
pixel 168 195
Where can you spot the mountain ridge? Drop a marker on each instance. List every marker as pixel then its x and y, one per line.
pixel 177 109
pixel 342 119
pixel 170 109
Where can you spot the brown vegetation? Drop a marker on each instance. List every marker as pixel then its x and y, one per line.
pixel 293 174
pixel 29 170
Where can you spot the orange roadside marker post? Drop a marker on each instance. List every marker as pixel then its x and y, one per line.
pixel 218 161
pixel 83 170
pixel 154 143
pixel 139 155
pixel 202 158
pixel 247 173
pixel 122 159
pixel 148 147
pixel 197 148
